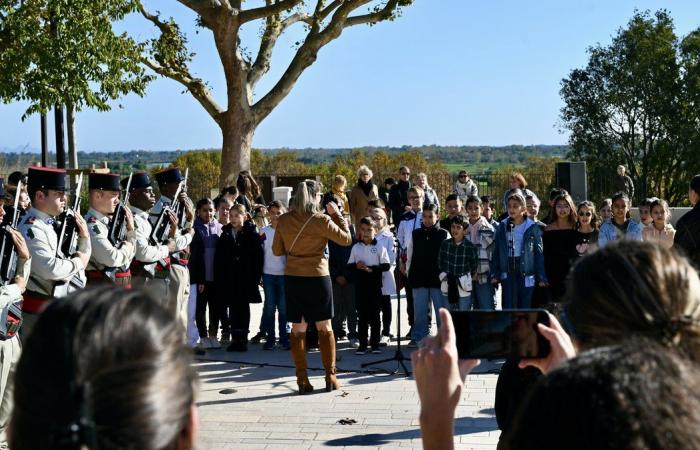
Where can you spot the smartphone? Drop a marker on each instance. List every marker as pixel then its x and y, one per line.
pixel 500 334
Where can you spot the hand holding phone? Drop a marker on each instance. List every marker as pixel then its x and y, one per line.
pixel 562 347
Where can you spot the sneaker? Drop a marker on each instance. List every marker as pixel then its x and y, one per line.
pixel 375 350
pixel 213 343
pixel 361 351
pixel 354 343
pixel 257 338
pixel 384 341
pixel 412 344
pixel 269 344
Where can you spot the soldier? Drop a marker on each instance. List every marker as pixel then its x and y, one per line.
pixel 169 180
pixel 150 268
pixel 108 262
pixel 10 293
pixel 47 192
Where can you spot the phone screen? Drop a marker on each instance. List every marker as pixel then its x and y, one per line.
pixel 500 334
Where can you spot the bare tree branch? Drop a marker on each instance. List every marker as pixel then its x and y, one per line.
pixel 194 85
pixel 203 7
pixel 385 13
pixel 268 10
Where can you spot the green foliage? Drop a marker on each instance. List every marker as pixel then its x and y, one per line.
pixel 636 103
pixel 66 52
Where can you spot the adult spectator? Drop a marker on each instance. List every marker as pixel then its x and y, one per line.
pixel 121 376
pixel 623 183
pixel 465 187
pixel 248 191
pixel 430 197
pixel 302 235
pixel 398 195
pixel 384 191
pixel 516 180
pixel 687 236
pixel 363 192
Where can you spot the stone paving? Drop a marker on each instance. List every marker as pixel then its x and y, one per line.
pixel 249 401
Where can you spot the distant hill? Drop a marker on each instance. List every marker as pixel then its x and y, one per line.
pixel 466 155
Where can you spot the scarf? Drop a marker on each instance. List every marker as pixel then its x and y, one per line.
pixel 366 187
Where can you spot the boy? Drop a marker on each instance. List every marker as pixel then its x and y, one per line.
pixel 453 205
pixel 482 234
pixel 457 261
pixel 488 209
pixel 273 282
pixel 368 259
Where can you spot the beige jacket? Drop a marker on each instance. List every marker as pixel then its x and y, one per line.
pixel 307 258
pixel 358 202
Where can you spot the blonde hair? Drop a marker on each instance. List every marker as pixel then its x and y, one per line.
pixel 339 181
pixel 364 170
pixel 305 198
pixel 240 209
pixel 418 191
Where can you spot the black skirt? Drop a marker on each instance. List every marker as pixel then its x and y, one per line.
pixel 310 298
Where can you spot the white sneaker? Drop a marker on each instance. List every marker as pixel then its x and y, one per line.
pixel 214 343
pixel 384 341
pixel 355 343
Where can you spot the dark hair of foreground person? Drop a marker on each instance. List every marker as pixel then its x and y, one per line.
pixel 104 369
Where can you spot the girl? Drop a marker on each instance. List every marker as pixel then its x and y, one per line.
pixel 620 226
pixel 532 202
pixel 605 210
pixel 201 265
pixel 587 227
pixel 518 261
pixel 273 282
pixel 660 230
pixel 387 240
pixel 260 216
pixel 340 183
pixel 457 260
pixel 560 239
pixel 430 195
pixel 223 205
pixel 238 262
pixel 481 233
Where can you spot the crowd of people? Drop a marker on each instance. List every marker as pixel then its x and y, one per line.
pixel 334 260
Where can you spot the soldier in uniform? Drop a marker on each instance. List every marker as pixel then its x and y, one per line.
pixel 108 262
pixel 169 180
pixel 11 293
pixel 150 269
pixel 47 191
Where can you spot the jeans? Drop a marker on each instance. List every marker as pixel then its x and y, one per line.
pixel 484 296
pixel 515 294
pixel 421 306
pixel 274 298
pixel 465 303
pixel 344 309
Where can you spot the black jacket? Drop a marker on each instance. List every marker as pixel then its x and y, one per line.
pixel 398 199
pixel 424 271
pixel 687 237
pixel 338 256
pixel 238 264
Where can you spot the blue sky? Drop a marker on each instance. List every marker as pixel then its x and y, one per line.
pixel 459 72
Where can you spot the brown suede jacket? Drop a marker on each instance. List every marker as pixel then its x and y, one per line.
pixel 307 258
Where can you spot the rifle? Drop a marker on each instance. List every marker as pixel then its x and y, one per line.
pixel 161 229
pixel 179 208
pixel 8 252
pixel 117 226
pixel 67 229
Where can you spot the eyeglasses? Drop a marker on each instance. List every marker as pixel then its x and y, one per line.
pixel 584 214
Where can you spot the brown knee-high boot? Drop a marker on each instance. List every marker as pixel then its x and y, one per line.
pixel 298 349
pixel 326 343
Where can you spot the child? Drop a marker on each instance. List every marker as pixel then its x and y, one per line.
pixel 619 227
pixel 518 261
pixel 222 205
pixel 273 282
pixel 369 260
pixel 482 234
pixel 457 261
pixel 386 239
pixel 340 184
pixel 201 265
pixel 645 218
pixel 659 230
pixel 453 205
pixel 424 273
pixel 605 210
pixel 260 216
pixel 238 265
pixel 488 209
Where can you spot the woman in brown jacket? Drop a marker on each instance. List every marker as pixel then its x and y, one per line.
pixel 361 194
pixel 302 235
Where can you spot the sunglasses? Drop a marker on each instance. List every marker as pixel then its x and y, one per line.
pixel 462 176
pixel 585 214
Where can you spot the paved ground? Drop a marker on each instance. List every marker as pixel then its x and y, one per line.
pixel 249 400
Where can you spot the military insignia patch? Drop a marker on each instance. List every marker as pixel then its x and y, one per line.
pixel 96 229
pixel 30 233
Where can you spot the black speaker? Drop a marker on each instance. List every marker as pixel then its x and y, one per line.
pixel 572 177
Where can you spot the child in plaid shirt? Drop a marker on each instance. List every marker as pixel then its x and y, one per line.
pixel 458 259
pixel 482 234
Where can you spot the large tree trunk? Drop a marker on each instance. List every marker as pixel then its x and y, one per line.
pixel 72 148
pixel 235 151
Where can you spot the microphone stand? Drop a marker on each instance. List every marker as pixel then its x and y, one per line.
pixel 399 357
